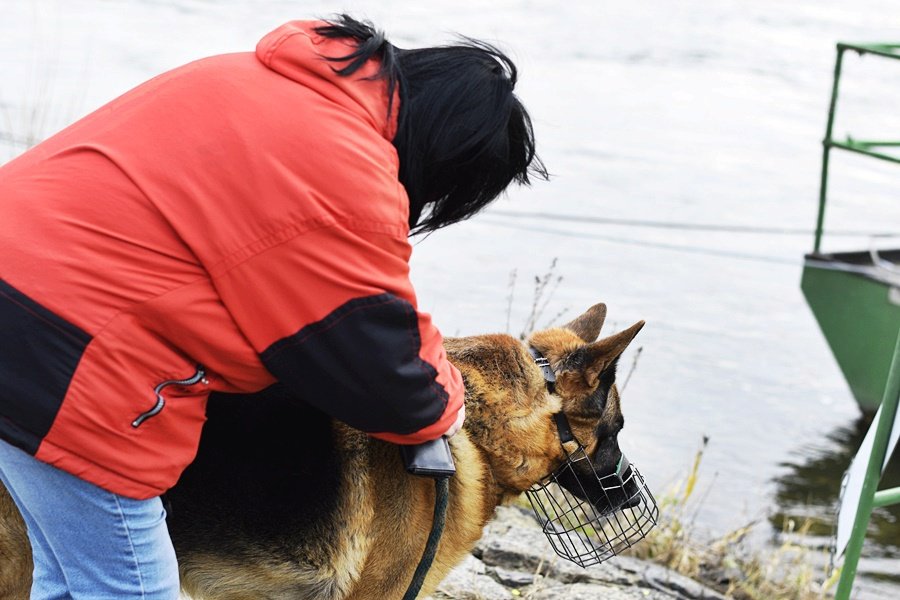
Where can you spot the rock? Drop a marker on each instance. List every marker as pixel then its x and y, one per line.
pixel 514 553
pixel 516 548
pixel 661 578
pixel 469 582
pixel 596 591
pixel 527 549
pixel 514 579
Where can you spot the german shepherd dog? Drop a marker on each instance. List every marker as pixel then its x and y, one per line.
pixel 283 502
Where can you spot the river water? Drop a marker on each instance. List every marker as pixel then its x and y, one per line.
pixel 647 113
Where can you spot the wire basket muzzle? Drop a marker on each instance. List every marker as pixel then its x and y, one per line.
pixel 588 517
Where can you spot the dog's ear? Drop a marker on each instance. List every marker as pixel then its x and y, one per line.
pixel 607 350
pixel 588 325
pixel 585 365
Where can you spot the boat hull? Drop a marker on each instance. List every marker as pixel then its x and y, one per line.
pixel 858 311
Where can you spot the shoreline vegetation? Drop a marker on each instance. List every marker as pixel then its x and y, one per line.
pixel 726 563
pixel 725 567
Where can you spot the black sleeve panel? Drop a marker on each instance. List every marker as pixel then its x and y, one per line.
pixel 361 365
pixel 39 353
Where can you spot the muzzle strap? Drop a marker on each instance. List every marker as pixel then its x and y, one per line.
pixel 562 426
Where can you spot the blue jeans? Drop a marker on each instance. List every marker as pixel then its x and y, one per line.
pixel 88 542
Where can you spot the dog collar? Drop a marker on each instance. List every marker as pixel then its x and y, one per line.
pixel 546 371
pixel 562 422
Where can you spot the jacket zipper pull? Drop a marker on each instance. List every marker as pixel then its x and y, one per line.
pixel 198 377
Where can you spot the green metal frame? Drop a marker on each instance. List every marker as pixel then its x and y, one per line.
pixel 866 147
pixel 871 497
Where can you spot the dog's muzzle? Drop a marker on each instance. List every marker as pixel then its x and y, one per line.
pixel 597 521
pixel 588 516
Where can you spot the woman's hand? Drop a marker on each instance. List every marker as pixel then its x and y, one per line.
pixel 457 425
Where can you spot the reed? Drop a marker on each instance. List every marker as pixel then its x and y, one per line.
pixel 728 563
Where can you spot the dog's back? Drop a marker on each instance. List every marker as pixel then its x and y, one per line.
pixel 264 489
pixel 283 502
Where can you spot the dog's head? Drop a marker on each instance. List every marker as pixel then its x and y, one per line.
pixel 547 414
pixel 585 381
pixel 510 409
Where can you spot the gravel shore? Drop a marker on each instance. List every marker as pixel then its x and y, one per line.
pixel 514 560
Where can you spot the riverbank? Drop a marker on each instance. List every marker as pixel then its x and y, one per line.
pixel 514 560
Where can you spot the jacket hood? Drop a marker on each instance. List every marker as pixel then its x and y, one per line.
pixel 297 52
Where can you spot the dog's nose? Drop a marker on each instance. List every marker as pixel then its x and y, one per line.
pixel 632 502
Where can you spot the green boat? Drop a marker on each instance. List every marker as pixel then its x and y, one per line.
pixel 855 296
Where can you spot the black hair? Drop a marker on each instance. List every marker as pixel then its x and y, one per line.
pixel 462 135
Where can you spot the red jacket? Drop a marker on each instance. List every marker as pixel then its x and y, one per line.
pixel 232 222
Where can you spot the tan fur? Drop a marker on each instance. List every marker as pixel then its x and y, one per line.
pixel 15 551
pixel 508 443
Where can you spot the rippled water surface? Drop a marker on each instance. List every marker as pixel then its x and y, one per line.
pixel 695 113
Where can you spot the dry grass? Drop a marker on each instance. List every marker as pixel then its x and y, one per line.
pixel 727 563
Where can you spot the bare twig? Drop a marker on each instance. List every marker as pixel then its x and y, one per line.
pixel 542 296
pixel 637 356
pixel 509 299
pixel 555 318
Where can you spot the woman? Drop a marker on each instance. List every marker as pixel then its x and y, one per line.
pixel 239 220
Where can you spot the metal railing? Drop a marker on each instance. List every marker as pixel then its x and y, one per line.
pixel 864 494
pixel 870 497
pixel 865 147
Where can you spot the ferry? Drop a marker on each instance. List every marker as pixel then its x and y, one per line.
pixel 855 296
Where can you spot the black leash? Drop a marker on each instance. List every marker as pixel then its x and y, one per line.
pixel 441 499
pixel 431 459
